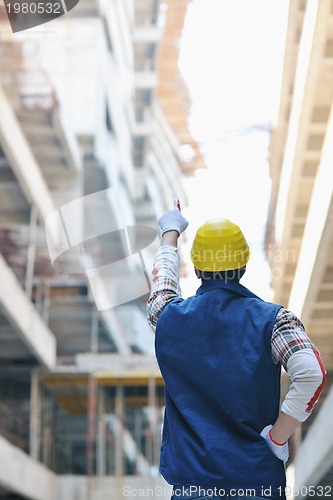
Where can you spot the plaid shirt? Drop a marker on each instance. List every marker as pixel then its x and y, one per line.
pixel 288 334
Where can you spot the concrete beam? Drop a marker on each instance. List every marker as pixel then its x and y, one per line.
pixel 120 364
pixel 314 36
pixel 22 314
pixel 315 456
pixel 22 475
pixel 317 235
pixel 22 160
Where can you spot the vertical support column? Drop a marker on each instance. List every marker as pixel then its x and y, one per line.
pixel 119 437
pixel 35 424
pixel 94 331
pixel 39 295
pixel 158 429
pixel 46 431
pixel 29 274
pixel 151 434
pixel 101 434
pixel 138 430
pixel 91 424
pixel 46 303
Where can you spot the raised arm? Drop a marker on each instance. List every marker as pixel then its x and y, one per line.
pixel 166 265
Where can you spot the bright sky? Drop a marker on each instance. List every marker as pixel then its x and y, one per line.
pixel 231 58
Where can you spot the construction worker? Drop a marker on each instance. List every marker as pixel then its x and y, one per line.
pixel 220 353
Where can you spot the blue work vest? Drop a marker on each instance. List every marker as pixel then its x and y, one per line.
pixel 221 389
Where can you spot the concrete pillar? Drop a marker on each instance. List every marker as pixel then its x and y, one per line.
pixel 46 434
pixel 35 424
pixel 46 303
pixel 138 429
pixel 101 434
pixel 314 460
pixel 151 432
pixel 91 424
pixel 29 277
pixel 94 332
pixel 119 435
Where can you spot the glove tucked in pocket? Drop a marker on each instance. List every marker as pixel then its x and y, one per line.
pixel 281 451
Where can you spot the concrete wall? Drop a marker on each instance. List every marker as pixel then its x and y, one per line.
pixel 314 459
pixel 112 488
pixel 20 474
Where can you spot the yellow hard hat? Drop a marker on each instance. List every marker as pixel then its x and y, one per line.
pixel 219 245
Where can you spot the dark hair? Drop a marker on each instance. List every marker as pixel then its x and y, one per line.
pixel 232 275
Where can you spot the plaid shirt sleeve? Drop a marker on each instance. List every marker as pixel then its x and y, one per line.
pixel 288 337
pixel 165 282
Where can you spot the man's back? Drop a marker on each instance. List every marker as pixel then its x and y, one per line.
pixel 222 389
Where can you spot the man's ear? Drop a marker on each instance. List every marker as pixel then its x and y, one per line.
pixel 197 273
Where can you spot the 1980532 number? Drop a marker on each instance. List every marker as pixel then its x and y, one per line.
pixel 34 8
pixel 307 491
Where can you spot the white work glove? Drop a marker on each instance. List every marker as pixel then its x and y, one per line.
pixel 172 220
pixel 281 451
